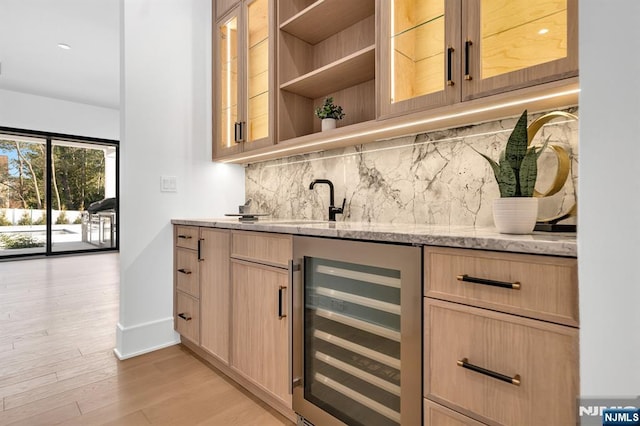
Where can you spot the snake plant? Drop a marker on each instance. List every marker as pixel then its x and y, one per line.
pixel 517 169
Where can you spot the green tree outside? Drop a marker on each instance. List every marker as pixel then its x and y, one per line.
pixel 78 176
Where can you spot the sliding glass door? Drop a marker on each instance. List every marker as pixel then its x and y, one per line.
pixel 58 194
pixel 23 195
pixel 83 196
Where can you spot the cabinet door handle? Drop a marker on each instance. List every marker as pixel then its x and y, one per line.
pixel 464 363
pixel 450 51
pixel 502 284
pixel 184 317
pixel 280 304
pixel 467 50
pixel 185 237
pixel 200 240
pixel 185 271
pixel 239 131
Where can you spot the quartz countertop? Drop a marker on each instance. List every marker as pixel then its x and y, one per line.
pixel 549 243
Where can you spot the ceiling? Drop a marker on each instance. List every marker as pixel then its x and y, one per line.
pixel 31 61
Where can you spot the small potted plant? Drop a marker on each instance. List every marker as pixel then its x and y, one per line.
pixel 516 210
pixel 329 113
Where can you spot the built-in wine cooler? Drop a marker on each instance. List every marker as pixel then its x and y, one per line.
pixel 356 333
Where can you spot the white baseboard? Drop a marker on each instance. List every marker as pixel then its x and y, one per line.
pixel 143 338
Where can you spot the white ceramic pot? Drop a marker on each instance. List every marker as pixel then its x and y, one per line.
pixel 328 124
pixel 515 215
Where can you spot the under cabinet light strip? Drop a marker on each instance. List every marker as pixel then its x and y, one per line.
pixel 356 372
pixel 359 276
pixel 359 324
pixel 358 349
pixel 358 397
pixel 359 300
pixel 412 145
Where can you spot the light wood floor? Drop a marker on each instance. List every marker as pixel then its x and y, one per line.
pixel 57 334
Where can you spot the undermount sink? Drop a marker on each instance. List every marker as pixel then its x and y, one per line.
pixel 297 222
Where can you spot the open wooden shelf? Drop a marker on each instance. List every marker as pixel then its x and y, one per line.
pixel 345 72
pixel 327 17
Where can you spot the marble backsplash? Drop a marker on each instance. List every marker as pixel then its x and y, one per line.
pixel 432 178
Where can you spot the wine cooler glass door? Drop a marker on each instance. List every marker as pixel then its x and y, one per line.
pixel 353 355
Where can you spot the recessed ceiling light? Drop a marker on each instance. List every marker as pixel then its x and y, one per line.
pixel 64 46
pixel 543 31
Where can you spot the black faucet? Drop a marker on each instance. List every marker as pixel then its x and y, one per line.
pixel 333 210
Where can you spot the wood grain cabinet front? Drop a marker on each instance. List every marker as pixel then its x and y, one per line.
pixel 542 287
pixel 260 312
pixel 187 272
pixel 500 338
pixel 501 369
pixel 201 294
pixel 437 415
pixel 186 237
pixel 260 332
pixel 188 317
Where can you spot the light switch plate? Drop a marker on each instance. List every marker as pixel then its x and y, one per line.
pixel 168 184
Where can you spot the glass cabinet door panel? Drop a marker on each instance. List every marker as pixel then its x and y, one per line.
pixel 228 59
pixel 417 48
pixel 518 34
pixel 258 70
pixel 418 41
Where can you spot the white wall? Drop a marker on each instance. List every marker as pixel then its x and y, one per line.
pixel 165 131
pixel 31 112
pixel 609 191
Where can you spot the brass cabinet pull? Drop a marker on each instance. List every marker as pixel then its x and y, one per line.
pixel 185 237
pixel 502 284
pixel 184 271
pixel 450 51
pixel 464 363
pixel 184 317
pixel 467 50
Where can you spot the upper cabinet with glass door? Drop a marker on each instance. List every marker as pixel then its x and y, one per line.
pixel 418 41
pixel 437 52
pixel 244 78
pixel 510 44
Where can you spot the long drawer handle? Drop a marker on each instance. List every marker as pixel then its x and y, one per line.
pixel 184 317
pixel 464 363
pixel 503 284
pixel 185 271
pixel 280 304
pixel 185 237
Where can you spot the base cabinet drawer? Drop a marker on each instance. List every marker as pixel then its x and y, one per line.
pixel 187 272
pixel 186 237
pixel 437 415
pixel 500 369
pixel 542 287
pixel 188 316
pixel 261 247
